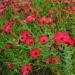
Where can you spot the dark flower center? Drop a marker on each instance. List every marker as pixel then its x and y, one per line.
pixel 62 38
pixel 43 40
pixel 27 69
pixel 35 53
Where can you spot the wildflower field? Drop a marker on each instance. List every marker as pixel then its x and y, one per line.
pixel 37 36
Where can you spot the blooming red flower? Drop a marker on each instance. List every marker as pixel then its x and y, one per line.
pixel 10 65
pixel 48 61
pixel 22 38
pixel 30 18
pixel 43 39
pixel 61 37
pixel 7 29
pixel 41 19
pixel 2 8
pixel 54 60
pixel 73 8
pixel 35 53
pixel 26 69
pixel 48 20
pixel 29 41
pixel 25 34
pixel 66 1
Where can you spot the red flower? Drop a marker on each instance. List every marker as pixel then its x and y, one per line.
pixel 10 65
pixel 61 37
pixel 51 12
pixel 22 38
pixel 48 20
pixel 71 41
pixel 8 45
pixel 43 39
pixel 26 69
pixel 7 29
pixel 66 1
pixel 30 19
pixel 54 60
pixel 73 1
pixel 34 53
pixel 24 35
pixel 10 22
pixel 56 47
pixel 29 41
pixel 5 2
pixel 62 10
pixel 22 7
pixel 73 8
pixel 42 19
pixel 2 8
pixel 53 25
pixel 48 61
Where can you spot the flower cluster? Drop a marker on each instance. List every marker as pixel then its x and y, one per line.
pixel 63 37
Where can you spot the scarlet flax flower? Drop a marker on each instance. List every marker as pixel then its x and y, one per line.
pixel 73 8
pixel 61 37
pixel 41 19
pixel 48 20
pixel 26 69
pixel 29 41
pixel 35 53
pixel 7 29
pixel 48 61
pixel 43 39
pixel 54 59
